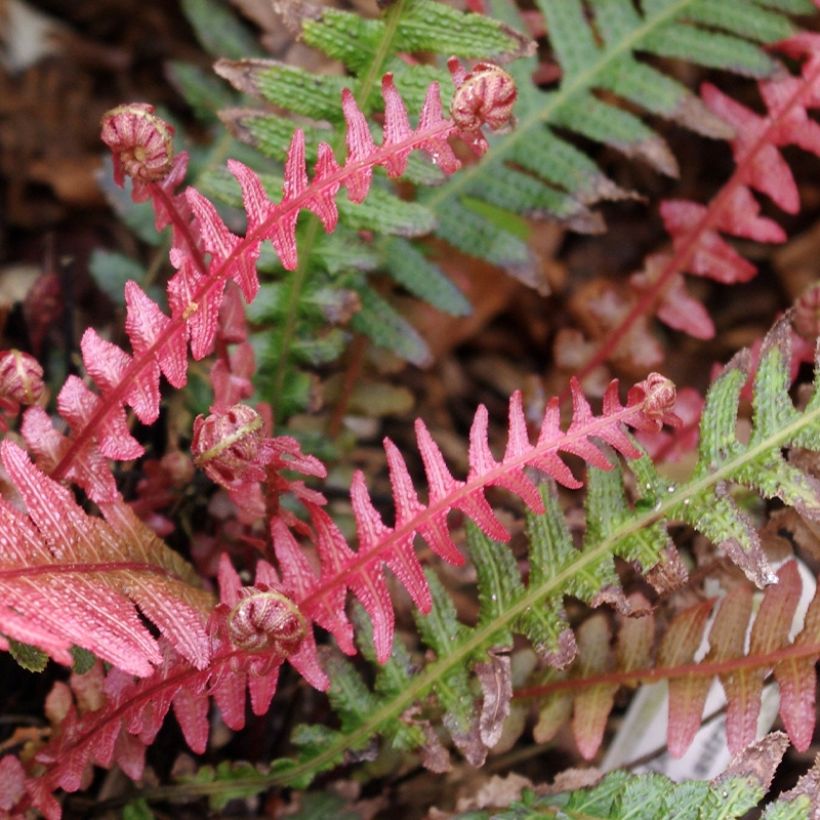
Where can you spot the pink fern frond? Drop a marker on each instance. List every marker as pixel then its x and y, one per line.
pixel 207 255
pixel 362 572
pixel 251 634
pixel 74 579
pixel 697 231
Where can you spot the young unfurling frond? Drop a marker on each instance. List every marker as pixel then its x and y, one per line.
pixel 207 255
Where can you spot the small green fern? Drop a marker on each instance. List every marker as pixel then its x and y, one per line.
pixel 635 532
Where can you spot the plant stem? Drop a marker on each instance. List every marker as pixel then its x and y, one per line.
pixel 704 669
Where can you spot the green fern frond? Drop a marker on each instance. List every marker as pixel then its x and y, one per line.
pixel 635 532
pixel 622 795
pixel 421 26
pixel 597 44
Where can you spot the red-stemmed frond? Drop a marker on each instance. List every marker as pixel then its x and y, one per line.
pixel 361 572
pixel 207 256
pixel 697 231
pixel 70 579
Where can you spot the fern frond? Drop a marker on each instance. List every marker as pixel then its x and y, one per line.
pixel 361 571
pixel 595 44
pixel 424 25
pixel 621 795
pixel 207 255
pixel 69 579
pixel 697 245
pixel 636 533
pixel 742 672
pixel 252 632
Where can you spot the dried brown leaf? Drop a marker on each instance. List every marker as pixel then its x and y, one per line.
pixel 495 679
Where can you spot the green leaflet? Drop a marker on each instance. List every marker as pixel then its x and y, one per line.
pixel 83 660
pixel 471 232
pixel 423 25
pixel 409 267
pixel 218 30
pixel 622 796
pixel 295 89
pixel 388 328
pixel 343 250
pixel 441 631
pixel 635 531
pixel 138 810
pixel 111 270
